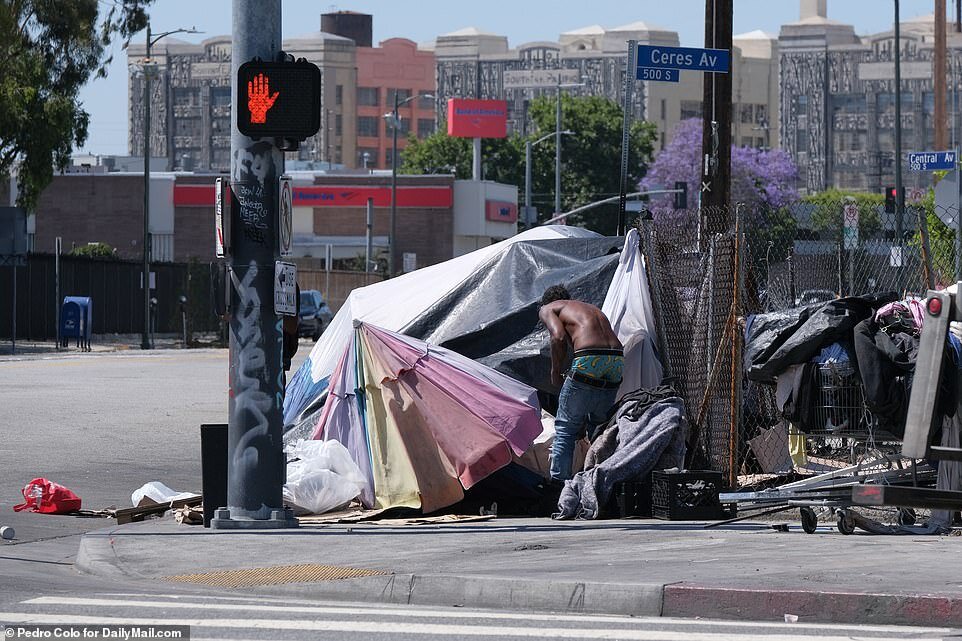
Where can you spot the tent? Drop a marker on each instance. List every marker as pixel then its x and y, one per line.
pixel 482 305
pixel 423 422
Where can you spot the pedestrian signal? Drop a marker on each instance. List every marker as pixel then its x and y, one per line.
pixel 278 99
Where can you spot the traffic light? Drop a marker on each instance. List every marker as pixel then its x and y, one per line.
pixel 681 198
pixel 278 99
pixel 890 199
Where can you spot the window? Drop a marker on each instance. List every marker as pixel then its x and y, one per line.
pixel 387 157
pixel 745 114
pixel 220 96
pixel 690 109
pixel 425 102
pixel 404 126
pixel 402 95
pixel 367 157
pixel 338 125
pixel 425 127
pixel 186 96
pixel 367 126
pixel 338 94
pixel 368 96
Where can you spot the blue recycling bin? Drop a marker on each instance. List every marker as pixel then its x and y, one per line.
pixel 76 320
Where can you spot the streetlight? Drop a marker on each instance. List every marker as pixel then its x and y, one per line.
pixel 145 342
pixel 557 143
pixel 527 168
pixel 395 122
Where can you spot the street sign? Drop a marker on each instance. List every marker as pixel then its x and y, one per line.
pixel 660 75
pixel 540 78
pixel 285 216
pixel 409 262
pixel 932 160
pixel 221 217
pixel 278 99
pixel 716 60
pixel 916 195
pixel 850 228
pixel 285 288
pixel 634 205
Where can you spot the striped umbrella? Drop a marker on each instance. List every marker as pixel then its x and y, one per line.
pixel 422 422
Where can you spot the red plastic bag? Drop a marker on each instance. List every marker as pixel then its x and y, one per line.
pixel 45 496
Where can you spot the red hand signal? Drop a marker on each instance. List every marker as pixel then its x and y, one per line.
pixel 259 100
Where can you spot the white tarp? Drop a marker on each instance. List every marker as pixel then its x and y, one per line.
pixel 628 308
pixel 392 304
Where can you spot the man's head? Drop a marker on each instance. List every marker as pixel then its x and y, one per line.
pixel 553 293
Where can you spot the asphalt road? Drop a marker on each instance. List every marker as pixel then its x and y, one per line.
pixel 105 423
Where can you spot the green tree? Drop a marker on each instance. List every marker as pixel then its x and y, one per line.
pixel 502 158
pixel 827 217
pixel 591 157
pixel 49 49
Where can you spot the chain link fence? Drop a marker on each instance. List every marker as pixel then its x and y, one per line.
pixel 713 270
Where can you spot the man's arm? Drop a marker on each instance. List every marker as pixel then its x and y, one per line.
pixel 559 341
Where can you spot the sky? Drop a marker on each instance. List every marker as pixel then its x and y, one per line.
pixel 423 20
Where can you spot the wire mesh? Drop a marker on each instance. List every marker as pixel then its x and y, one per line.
pixel 713 269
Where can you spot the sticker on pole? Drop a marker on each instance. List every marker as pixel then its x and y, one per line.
pixel 285 216
pixel 285 288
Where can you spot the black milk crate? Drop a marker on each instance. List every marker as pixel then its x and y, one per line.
pixel 631 498
pixel 687 496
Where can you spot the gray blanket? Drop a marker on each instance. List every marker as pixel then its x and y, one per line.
pixel 653 440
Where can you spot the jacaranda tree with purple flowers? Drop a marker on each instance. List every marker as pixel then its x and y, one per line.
pixel 759 177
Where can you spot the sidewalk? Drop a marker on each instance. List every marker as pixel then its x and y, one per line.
pixel 631 567
pixel 100 343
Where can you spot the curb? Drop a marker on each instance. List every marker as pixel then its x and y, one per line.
pixel 96 556
pixel 685 600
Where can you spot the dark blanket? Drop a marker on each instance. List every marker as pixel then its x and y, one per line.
pixel 887 366
pixel 651 432
pixel 781 339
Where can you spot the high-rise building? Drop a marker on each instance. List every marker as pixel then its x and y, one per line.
pixel 191 97
pixel 472 63
pixel 837 93
pixel 191 100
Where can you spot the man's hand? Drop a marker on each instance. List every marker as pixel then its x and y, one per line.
pixel 259 100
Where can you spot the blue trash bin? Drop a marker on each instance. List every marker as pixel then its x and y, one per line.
pixel 76 320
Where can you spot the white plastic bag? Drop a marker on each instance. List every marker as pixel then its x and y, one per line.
pixel 158 493
pixel 325 477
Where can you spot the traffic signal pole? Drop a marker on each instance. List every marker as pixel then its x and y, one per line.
pixel 256 464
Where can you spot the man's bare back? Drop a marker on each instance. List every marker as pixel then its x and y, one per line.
pixel 581 323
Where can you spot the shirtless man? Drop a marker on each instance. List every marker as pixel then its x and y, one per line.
pixel 595 375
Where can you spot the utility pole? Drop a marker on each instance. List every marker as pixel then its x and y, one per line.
pixel 938 75
pixel 717 123
pixel 557 152
pixel 256 463
pixel 145 282
pixel 899 195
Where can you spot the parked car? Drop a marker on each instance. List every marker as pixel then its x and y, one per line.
pixel 810 296
pixel 315 315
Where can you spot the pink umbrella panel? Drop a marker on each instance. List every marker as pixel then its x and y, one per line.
pixel 422 422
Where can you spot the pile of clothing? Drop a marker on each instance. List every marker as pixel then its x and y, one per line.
pixel 864 343
pixel 647 432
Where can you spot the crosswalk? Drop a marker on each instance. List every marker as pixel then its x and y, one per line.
pixel 276 618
